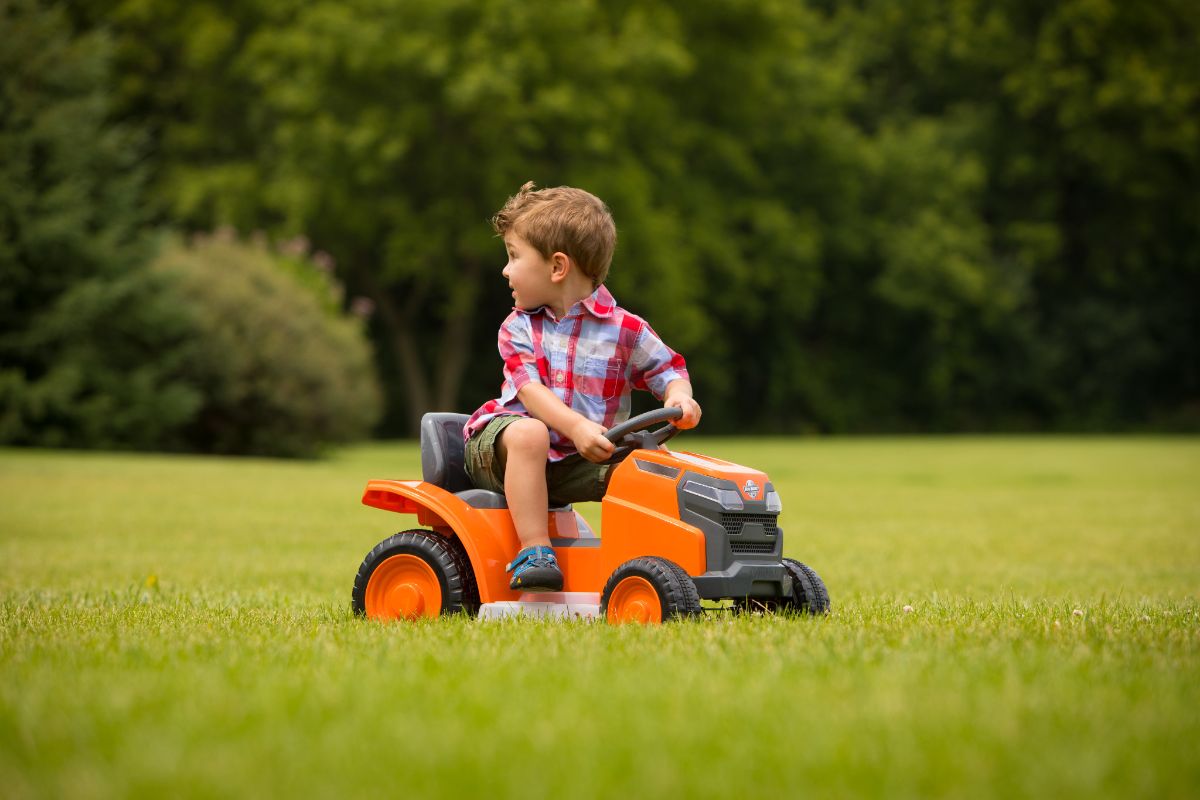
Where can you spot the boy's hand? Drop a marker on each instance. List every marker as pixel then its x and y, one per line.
pixel 690 408
pixel 589 440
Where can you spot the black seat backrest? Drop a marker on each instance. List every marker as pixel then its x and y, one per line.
pixel 442 451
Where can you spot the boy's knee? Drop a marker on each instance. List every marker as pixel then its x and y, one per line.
pixel 527 437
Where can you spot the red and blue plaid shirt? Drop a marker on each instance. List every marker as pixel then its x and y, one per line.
pixel 590 359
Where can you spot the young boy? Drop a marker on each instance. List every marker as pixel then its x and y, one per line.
pixel 571 356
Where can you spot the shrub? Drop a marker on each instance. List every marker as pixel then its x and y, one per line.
pixel 280 369
pixel 114 354
pixel 215 347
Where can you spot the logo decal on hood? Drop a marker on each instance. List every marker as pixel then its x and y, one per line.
pixel 750 490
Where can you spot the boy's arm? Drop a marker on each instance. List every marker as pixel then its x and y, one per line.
pixel 588 436
pixel 679 395
pixel 664 372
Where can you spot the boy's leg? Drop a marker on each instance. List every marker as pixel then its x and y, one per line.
pixel 524 448
pixel 576 480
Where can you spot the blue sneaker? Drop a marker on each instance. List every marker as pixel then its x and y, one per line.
pixel 535 569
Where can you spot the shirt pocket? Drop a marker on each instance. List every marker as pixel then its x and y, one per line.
pixel 605 379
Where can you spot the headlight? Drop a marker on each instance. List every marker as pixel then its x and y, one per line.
pixel 774 503
pixel 728 499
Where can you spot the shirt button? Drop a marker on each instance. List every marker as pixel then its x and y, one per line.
pixel 561 377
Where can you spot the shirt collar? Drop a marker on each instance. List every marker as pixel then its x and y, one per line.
pixel 599 303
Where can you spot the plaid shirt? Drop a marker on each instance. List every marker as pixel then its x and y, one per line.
pixel 590 359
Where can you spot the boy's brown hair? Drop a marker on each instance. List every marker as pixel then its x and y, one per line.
pixel 562 219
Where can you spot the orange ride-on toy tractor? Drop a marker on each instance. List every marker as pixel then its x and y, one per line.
pixel 676 528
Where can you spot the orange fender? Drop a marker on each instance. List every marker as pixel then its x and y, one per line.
pixel 488 536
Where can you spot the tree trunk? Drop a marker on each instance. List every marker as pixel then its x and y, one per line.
pixel 430 388
pixel 406 351
pixel 455 345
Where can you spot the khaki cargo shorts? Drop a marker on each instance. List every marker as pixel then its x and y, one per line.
pixel 572 480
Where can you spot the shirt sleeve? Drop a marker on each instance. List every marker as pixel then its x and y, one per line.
pixel 516 349
pixel 654 364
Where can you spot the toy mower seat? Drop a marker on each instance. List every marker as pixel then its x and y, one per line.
pixel 442 459
pixel 442 451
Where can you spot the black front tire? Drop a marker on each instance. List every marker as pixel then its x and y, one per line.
pixel 674 589
pixel 808 596
pixel 808 590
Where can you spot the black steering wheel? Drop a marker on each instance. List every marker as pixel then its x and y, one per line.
pixel 635 434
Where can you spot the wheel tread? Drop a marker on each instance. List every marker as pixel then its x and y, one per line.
pixel 675 587
pixel 451 564
pixel 813 597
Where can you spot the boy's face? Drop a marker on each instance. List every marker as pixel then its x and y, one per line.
pixel 528 273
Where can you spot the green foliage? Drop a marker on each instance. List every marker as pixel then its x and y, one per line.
pixel 75 323
pixel 875 215
pixel 69 179
pixel 116 378
pixel 216 347
pixel 1082 118
pixel 219 348
pixel 280 369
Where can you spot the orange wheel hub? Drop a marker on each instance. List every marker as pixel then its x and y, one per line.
pixel 635 600
pixel 403 587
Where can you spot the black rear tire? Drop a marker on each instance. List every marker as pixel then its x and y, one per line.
pixel 445 557
pixel 470 591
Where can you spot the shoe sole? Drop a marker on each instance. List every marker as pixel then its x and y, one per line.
pixel 537 579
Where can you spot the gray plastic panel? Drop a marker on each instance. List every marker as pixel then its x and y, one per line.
pixel 745 580
pixel 442 451
pixel 482 498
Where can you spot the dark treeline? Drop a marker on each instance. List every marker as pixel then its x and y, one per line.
pixel 871 216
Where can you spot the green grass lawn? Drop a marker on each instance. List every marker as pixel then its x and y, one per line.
pixel 180 626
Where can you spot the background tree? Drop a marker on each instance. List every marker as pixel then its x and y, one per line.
pixel 943 214
pixel 225 348
pixel 70 211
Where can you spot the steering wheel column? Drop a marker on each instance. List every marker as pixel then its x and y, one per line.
pixel 635 433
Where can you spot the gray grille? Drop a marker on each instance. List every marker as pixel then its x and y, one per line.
pixel 733 523
pixel 752 547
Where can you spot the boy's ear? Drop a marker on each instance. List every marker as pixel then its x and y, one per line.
pixel 560 266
